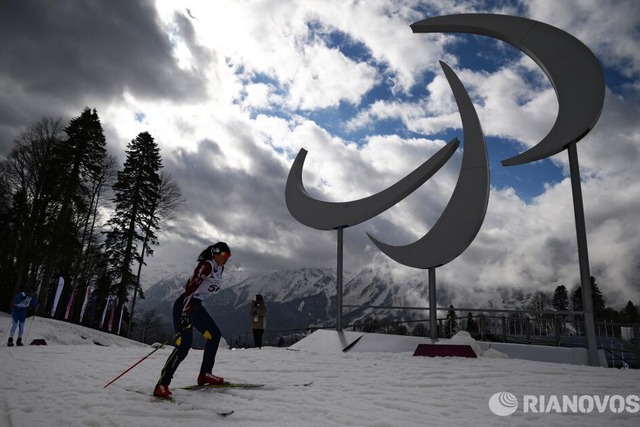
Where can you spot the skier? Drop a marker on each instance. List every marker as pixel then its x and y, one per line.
pixel 21 304
pixel 188 313
pixel 258 316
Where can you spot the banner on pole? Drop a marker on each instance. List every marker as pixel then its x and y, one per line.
pixel 104 312
pixel 84 303
pixel 67 313
pixel 114 303
pixel 120 322
pixel 57 297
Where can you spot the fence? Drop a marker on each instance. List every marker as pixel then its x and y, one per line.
pixel 276 338
pixel 620 341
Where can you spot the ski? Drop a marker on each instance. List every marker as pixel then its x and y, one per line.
pixel 161 398
pixel 227 385
pixel 303 385
pixel 173 400
pixel 224 385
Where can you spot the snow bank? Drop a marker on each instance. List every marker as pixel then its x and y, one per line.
pixel 63 385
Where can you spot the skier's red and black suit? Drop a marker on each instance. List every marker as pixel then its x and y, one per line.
pixel 206 280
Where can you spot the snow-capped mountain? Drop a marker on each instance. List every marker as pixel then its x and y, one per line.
pixel 299 299
pixel 295 299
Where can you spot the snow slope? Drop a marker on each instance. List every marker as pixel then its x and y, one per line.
pixel 62 384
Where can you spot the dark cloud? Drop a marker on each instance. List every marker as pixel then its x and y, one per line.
pixel 248 208
pixel 57 56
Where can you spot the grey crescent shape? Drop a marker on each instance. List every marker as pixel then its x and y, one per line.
pixel 462 218
pixel 333 215
pixel 571 67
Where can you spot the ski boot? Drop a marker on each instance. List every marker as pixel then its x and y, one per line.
pixel 19 342
pixel 161 391
pixel 209 379
pixel 10 342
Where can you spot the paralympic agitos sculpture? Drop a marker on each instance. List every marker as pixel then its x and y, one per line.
pixel 578 81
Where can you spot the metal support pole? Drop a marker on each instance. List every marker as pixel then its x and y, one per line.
pixel 433 317
pixel 636 338
pixel 339 282
pixel 583 257
pixel 504 329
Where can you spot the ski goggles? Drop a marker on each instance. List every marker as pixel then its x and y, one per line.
pixel 225 255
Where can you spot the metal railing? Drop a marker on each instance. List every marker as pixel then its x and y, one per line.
pixel 620 341
pixel 271 337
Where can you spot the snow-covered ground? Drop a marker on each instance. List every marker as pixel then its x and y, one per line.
pixel 62 384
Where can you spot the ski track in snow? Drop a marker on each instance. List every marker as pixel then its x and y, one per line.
pixel 63 385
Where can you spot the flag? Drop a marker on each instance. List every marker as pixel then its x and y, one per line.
pixel 104 312
pixel 57 298
pixel 70 303
pixel 84 303
pixel 120 322
pixel 114 303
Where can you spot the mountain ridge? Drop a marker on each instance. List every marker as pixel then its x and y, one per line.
pixel 306 297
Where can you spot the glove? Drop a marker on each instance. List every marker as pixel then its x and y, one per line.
pixel 184 323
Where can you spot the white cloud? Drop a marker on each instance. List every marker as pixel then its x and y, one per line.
pixel 522 245
pixel 606 29
pixel 260 95
pixel 328 77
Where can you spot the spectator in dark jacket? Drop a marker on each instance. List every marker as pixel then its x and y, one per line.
pixel 258 318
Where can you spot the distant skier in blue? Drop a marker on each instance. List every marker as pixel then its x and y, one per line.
pixel 21 304
pixel 189 313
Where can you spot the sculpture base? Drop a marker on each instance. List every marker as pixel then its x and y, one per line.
pixel 444 350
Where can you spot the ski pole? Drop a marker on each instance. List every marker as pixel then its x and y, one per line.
pixel 138 362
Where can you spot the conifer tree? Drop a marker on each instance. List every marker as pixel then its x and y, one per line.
pixel 561 299
pixel 598 300
pixel 136 193
pixel 169 200
pixel 81 157
pixel 576 299
pixel 630 313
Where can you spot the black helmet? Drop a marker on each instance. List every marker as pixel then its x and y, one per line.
pixel 218 248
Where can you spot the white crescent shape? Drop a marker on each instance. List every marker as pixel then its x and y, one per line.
pixel 462 218
pixel 571 67
pixel 324 215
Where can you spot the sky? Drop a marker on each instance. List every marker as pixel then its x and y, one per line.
pixel 62 384
pixel 232 90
